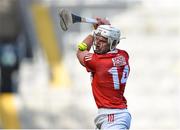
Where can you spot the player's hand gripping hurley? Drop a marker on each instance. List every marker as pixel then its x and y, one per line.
pixel 67 19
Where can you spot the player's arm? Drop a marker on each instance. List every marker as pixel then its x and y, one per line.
pixel 83 48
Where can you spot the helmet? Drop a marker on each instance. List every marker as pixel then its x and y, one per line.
pixel 111 33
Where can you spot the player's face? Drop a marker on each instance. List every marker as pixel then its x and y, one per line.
pixel 101 45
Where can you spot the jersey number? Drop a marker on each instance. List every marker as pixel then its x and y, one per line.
pixel 115 76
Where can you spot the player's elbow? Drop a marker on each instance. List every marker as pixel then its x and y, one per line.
pixel 80 58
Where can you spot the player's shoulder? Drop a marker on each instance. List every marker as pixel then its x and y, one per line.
pixel 123 52
pixel 88 56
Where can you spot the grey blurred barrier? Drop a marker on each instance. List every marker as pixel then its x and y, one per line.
pixel 9 20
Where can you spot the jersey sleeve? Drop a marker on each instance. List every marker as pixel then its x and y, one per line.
pixel 90 62
pixel 126 55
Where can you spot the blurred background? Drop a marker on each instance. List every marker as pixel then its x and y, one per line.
pixel 42 84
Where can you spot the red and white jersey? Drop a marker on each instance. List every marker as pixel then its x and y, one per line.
pixel 109 74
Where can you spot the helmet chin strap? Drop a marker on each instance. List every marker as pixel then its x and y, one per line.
pixel 110 42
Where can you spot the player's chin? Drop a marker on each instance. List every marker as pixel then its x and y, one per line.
pixel 98 52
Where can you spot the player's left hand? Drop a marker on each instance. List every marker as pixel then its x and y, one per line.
pixel 101 21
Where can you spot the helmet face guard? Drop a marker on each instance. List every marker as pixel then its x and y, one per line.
pixel 109 32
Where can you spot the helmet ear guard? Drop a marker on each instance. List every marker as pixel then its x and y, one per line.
pixel 115 42
pixel 112 44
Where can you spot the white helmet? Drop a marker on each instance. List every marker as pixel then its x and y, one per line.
pixel 111 33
